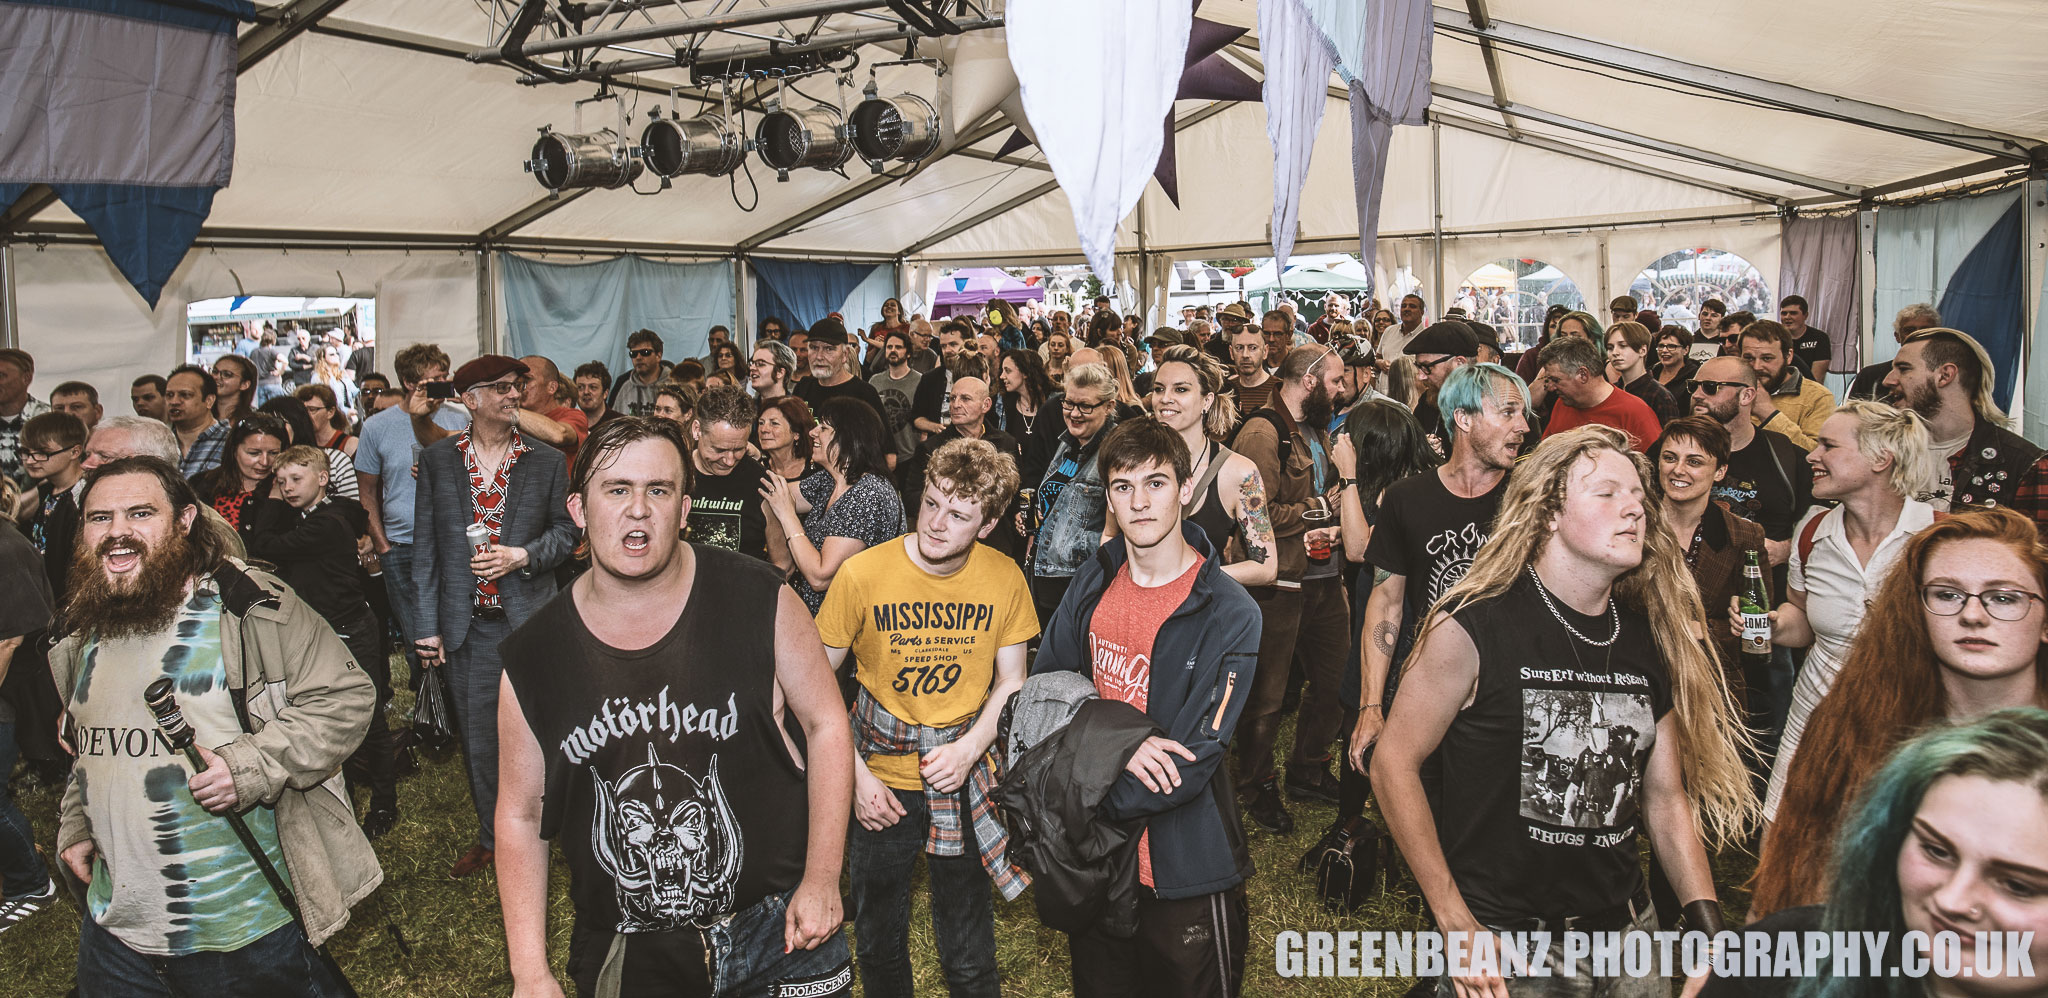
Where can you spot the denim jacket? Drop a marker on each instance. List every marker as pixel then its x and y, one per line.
pixel 1073 528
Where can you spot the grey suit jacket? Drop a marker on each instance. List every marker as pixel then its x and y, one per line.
pixel 536 518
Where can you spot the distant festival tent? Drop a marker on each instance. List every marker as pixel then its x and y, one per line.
pixel 979 286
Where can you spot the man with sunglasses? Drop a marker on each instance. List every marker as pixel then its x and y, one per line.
pixel 468 597
pixel 1768 480
pixel 1438 350
pixel 634 393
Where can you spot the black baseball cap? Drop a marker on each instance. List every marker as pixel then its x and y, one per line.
pixel 1447 337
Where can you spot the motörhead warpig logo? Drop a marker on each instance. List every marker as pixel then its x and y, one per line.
pixel 670 843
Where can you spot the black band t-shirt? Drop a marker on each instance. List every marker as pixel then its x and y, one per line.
pixel 725 510
pixel 1429 534
pixel 669 787
pixel 1548 760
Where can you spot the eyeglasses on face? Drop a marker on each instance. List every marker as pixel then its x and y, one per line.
pixel 499 388
pixel 636 354
pixel 1082 408
pixel 40 456
pixel 2001 604
pixel 1710 387
pixel 1427 365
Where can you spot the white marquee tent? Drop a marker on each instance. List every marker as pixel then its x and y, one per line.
pixel 1596 135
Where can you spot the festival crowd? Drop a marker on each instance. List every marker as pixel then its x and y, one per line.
pixel 1027 595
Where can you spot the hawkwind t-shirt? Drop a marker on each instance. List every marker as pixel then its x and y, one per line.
pixel 1430 535
pixel 1548 759
pixel 725 510
pixel 926 644
pixel 671 787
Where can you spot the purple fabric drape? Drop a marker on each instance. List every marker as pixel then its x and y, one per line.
pixel 1819 264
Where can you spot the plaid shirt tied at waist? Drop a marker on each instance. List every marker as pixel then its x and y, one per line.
pixel 878 732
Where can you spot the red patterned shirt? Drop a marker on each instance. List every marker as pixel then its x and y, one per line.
pixel 487 501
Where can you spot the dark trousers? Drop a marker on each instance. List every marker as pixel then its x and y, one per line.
pixel 1046 593
pixel 1313 622
pixel 474 671
pixel 963 918
pixel 374 762
pixel 1188 948
pixel 279 965
pixel 21 870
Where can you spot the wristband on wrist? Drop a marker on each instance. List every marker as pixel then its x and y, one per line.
pixel 1704 915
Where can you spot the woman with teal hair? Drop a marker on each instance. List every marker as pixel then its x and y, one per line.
pixel 1950 836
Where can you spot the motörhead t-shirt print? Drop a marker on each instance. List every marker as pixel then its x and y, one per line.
pixel 671 789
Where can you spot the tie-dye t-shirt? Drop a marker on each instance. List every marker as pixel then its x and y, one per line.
pixel 170 878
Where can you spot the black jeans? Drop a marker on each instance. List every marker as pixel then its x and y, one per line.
pixel 1186 948
pixel 963 918
pixel 374 762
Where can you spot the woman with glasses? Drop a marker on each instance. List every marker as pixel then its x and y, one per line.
pixel 1873 460
pixel 725 360
pixel 330 421
pixel 1673 367
pixel 242 479
pixel 327 370
pixel 1957 630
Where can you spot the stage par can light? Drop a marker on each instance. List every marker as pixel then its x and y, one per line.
pixel 815 136
pixel 707 144
pixel 904 127
pixel 596 159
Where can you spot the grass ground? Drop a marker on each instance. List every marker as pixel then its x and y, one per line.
pixel 454 942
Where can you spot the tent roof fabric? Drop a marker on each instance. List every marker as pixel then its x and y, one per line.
pixel 371 122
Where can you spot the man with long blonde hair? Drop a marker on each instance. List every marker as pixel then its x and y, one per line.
pixel 1571 647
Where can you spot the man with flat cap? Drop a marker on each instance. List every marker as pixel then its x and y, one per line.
pixel 469 597
pixel 1441 347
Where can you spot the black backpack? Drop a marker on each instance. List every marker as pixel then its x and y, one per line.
pixel 1279 428
pixel 1351 864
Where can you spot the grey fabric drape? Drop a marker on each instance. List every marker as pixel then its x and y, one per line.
pixel 1819 264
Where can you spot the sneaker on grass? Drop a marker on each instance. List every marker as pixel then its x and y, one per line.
pixel 14 911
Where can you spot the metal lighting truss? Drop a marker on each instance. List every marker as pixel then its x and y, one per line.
pixel 565 41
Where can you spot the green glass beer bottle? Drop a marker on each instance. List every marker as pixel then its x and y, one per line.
pixel 1756 609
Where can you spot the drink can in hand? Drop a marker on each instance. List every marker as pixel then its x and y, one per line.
pixel 479 538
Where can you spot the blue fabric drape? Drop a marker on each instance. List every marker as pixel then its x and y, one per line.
pixel 800 292
pixel 576 312
pixel 1984 298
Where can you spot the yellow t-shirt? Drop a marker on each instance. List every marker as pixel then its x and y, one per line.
pixel 926 645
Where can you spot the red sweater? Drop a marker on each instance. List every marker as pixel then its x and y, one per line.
pixel 1621 410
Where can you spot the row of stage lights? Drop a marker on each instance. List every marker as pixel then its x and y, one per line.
pixel 881 130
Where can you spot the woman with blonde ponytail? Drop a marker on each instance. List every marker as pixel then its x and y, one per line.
pixel 1565 692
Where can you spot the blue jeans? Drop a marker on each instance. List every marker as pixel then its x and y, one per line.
pixel 21 871
pixel 398 586
pixel 279 965
pixel 743 952
pixel 963 917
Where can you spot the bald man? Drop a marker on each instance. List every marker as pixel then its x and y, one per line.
pixel 968 417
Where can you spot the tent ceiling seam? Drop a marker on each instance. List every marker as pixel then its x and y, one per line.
pixel 1781 95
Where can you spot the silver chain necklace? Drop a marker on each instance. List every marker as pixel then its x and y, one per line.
pixel 1613 613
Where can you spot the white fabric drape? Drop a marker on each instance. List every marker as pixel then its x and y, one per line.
pixel 1095 98
pixel 1298 64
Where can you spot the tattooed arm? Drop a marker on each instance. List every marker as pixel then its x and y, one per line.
pixel 1261 565
pixel 1382 632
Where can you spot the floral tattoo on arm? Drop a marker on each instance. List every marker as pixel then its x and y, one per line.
pixel 1252 519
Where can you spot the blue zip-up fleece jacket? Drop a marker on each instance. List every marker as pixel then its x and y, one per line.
pixel 1202 665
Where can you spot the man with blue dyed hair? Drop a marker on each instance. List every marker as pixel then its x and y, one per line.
pixel 1431 526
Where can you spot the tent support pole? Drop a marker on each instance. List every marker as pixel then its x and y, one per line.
pixel 741 303
pixel 1866 280
pixel 2031 240
pixel 1436 218
pixel 486 302
pixel 10 330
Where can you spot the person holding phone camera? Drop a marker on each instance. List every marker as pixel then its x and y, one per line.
pixel 486 476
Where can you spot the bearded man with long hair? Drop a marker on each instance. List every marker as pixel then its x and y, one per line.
pixel 176 901
pixel 1565 694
